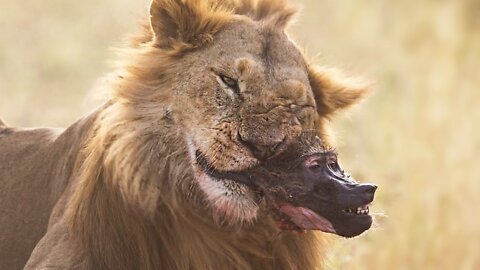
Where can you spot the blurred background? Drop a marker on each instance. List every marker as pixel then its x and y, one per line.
pixel 417 136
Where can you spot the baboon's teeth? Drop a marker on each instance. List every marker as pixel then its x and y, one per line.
pixel 361 210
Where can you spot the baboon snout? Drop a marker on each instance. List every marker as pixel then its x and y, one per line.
pixel 367 191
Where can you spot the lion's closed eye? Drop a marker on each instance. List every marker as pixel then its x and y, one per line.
pixel 229 83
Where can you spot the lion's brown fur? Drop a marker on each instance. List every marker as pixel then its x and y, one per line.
pixel 115 214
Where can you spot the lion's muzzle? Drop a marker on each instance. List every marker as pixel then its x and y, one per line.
pixel 268 135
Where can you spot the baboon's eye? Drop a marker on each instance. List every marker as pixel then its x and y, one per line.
pixel 315 165
pixel 333 165
pixel 335 168
pixel 230 83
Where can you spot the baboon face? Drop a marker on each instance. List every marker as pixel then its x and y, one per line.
pixel 306 189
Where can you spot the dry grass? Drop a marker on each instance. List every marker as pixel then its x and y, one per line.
pixel 417 136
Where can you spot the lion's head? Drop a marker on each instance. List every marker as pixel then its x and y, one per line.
pixel 224 82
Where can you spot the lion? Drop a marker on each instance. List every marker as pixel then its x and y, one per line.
pixel 212 152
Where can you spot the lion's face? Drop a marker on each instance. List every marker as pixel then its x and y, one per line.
pixel 225 77
pixel 244 104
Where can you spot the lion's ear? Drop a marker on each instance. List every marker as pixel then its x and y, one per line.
pixel 277 13
pixel 334 91
pixel 185 23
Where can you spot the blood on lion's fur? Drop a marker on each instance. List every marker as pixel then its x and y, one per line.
pixel 118 189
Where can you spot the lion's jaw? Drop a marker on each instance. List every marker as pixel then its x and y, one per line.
pixel 232 202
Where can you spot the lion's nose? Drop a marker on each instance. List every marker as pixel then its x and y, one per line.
pixel 262 146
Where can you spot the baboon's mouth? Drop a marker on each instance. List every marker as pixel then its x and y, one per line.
pixel 298 218
pixel 360 210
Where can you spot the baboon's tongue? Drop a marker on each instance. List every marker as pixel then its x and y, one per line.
pixel 306 219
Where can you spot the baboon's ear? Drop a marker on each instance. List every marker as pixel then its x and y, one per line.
pixel 334 91
pixel 185 23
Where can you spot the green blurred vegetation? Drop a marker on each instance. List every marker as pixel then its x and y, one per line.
pixel 417 136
